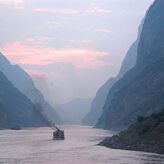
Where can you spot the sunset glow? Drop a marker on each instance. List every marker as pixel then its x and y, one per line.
pixel 80 58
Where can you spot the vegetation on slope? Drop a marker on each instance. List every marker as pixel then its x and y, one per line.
pixel 147 134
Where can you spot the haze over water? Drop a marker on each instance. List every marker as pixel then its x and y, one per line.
pixel 35 146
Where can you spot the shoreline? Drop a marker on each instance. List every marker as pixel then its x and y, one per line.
pixel 116 142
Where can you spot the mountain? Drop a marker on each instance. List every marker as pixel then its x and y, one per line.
pixel 98 102
pixel 23 82
pixel 146 134
pixel 140 92
pixel 16 109
pixel 74 111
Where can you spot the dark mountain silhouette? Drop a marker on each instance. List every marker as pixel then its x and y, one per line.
pixel 23 82
pixel 16 109
pixel 140 92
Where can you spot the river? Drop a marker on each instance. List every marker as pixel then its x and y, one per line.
pixel 35 146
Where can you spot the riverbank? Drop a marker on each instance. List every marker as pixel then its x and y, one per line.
pixel 147 135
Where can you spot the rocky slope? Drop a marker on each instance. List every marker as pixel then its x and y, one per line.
pixel 16 109
pixel 23 82
pixel 140 91
pixel 147 134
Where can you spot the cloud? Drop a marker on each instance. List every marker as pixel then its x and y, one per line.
pixel 88 41
pixel 16 4
pixel 103 30
pixel 57 10
pixel 36 40
pixel 80 58
pixel 54 24
pixel 36 73
pixel 84 42
pixel 95 9
pixel 83 25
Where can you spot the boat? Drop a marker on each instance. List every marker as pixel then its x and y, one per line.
pixel 58 134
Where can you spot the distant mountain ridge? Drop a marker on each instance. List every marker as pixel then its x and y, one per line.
pixel 140 91
pixel 101 95
pixel 16 109
pixel 23 82
pixel 74 111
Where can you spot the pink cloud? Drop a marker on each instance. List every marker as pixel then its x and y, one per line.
pixel 85 42
pixel 96 9
pixel 30 39
pixel 37 74
pixel 57 10
pixel 41 74
pixel 80 58
pixel 103 30
pixel 16 4
pixel 88 42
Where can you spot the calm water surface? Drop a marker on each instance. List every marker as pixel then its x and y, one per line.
pixel 34 146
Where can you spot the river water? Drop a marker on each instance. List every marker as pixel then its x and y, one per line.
pixel 35 146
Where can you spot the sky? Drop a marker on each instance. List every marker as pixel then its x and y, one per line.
pixel 69 47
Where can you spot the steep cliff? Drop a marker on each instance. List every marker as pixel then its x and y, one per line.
pixel 98 102
pixel 16 109
pixel 140 91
